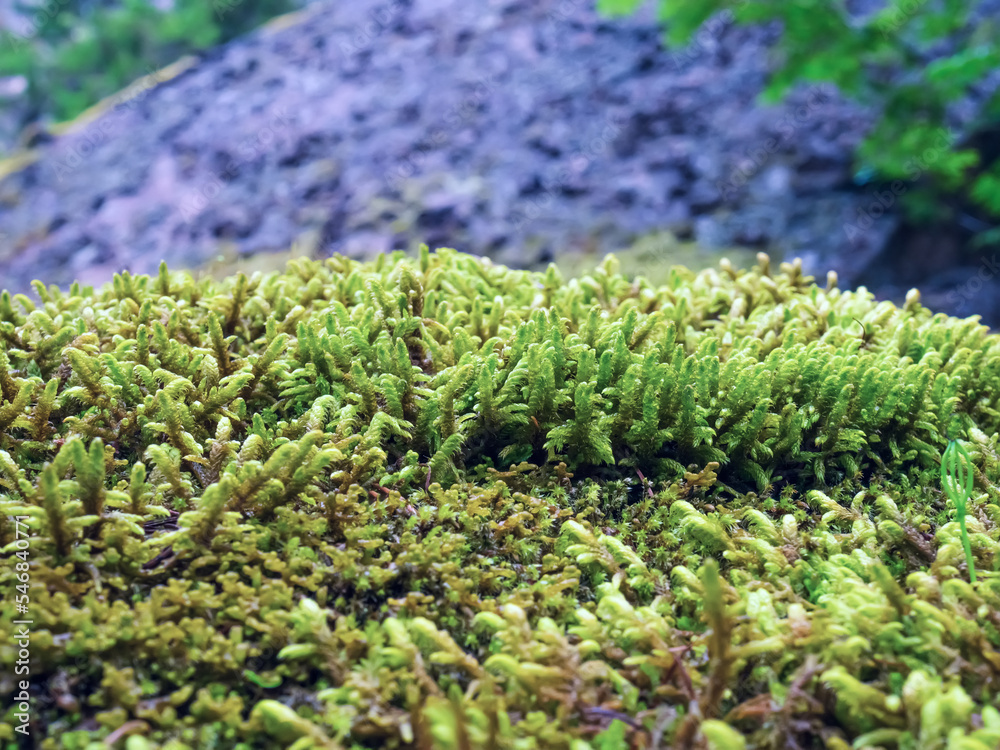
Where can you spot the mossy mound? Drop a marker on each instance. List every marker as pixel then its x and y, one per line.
pixel 436 503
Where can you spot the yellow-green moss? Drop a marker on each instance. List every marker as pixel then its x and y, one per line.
pixel 439 503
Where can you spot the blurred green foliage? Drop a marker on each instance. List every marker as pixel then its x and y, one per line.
pixel 73 53
pixel 914 62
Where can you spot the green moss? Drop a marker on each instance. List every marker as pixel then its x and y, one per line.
pixel 439 503
pixel 655 256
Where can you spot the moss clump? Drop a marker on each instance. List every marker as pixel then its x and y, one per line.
pixel 436 503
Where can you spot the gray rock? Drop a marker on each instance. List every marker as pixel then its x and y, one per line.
pixel 513 129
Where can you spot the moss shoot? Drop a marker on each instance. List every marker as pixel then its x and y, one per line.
pixel 436 503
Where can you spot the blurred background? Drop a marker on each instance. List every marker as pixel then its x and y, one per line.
pixel 862 137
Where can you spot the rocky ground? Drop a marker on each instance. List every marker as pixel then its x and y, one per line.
pixel 519 130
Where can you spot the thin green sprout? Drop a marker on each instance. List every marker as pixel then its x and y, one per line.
pixel 956 479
